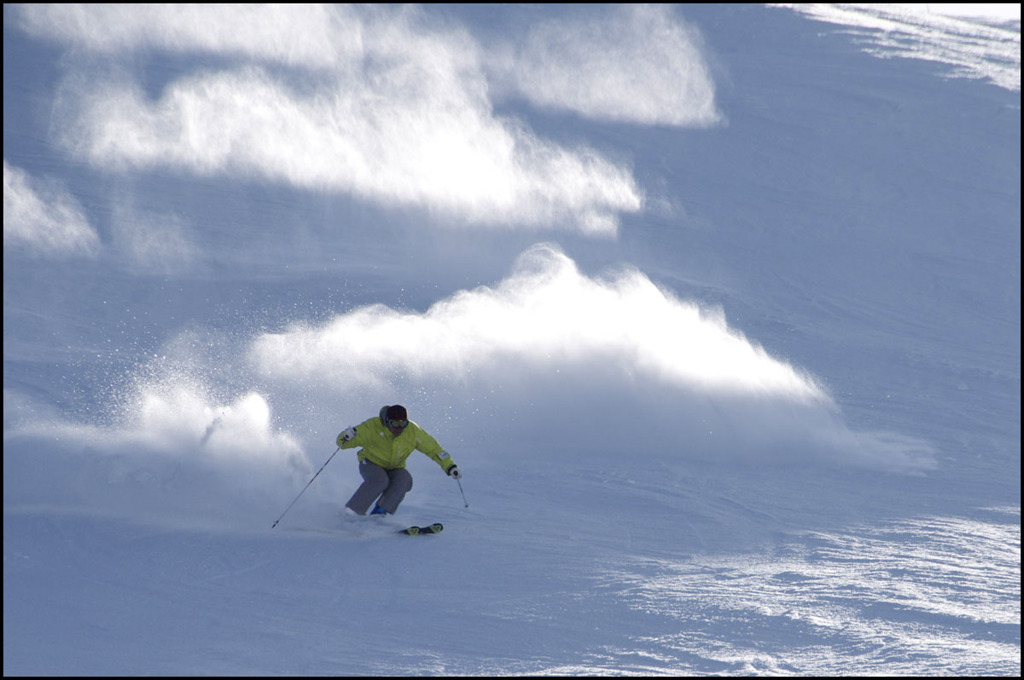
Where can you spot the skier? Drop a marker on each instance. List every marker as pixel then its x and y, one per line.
pixel 386 442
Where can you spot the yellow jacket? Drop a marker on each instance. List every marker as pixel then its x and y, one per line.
pixel 388 451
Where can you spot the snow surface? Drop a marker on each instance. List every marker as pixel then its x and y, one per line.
pixel 716 307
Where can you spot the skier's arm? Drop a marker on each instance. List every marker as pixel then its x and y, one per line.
pixel 429 446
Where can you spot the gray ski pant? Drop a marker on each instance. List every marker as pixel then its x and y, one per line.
pixel 390 485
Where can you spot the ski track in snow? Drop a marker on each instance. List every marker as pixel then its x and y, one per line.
pixel 896 598
pixel 973 47
pixel 909 598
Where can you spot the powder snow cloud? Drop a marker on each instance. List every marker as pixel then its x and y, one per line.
pixel 635 64
pixel 44 217
pixel 608 355
pixel 546 313
pixel 385 105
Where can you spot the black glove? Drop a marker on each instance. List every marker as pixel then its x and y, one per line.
pixel 453 471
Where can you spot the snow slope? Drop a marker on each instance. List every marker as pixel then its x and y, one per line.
pixel 716 307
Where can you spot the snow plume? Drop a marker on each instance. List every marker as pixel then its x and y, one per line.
pixel 397 114
pixel 45 219
pixel 546 314
pixel 172 452
pixel 636 64
pixel 301 35
pixel 625 361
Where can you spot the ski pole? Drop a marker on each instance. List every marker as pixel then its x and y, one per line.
pixel 461 491
pixel 304 489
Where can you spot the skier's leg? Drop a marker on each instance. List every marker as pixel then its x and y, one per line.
pixel 401 483
pixel 375 480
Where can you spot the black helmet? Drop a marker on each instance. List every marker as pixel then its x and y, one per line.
pixel 395 416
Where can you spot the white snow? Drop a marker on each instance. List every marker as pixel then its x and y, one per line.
pixel 717 311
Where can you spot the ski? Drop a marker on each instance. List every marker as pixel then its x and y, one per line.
pixel 421 531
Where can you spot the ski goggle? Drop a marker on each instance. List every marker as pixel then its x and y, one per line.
pixel 399 423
